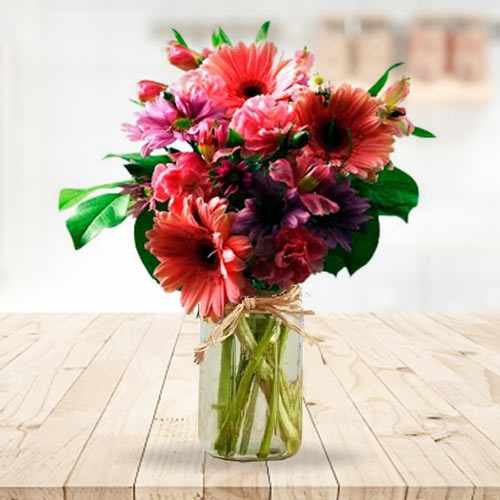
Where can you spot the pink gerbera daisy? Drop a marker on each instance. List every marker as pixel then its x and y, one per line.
pixel 251 70
pixel 199 256
pixel 346 129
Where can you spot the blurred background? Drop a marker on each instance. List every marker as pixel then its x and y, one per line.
pixel 67 70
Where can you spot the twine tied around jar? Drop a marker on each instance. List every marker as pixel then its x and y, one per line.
pixel 283 305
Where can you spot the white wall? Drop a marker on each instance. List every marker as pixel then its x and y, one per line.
pixel 66 71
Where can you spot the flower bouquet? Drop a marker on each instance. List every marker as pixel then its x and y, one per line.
pixel 253 174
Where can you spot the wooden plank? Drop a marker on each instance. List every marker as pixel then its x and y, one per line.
pixel 22 332
pixel 109 463
pixel 467 385
pixel 13 322
pixel 473 453
pixel 36 381
pixel 308 474
pixel 445 339
pixel 45 459
pixel 227 480
pixel 172 465
pixel 426 469
pixel 474 327
pixel 361 466
pixel 31 390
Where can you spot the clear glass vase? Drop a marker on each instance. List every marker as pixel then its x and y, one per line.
pixel 250 401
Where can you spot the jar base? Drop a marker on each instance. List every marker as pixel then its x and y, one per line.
pixel 276 455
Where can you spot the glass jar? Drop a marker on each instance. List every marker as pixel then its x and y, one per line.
pixel 250 400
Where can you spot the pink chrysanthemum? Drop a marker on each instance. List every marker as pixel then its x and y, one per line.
pixel 153 125
pixel 346 130
pixel 199 256
pixel 251 70
pixel 213 86
pixel 263 122
pixel 164 121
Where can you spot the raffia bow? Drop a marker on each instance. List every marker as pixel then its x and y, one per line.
pixel 285 305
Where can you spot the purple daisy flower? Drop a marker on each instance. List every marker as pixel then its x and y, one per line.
pixel 338 228
pixel 269 210
pixel 232 178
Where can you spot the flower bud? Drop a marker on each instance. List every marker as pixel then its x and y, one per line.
pixel 397 92
pixel 147 90
pixel 299 139
pixel 183 58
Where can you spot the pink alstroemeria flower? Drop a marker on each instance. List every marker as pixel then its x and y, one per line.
pixel 147 90
pixel 302 178
pixel 394 115
pixel 182 57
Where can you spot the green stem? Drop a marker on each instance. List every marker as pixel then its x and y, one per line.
pixel 249 417
pixel 265 446
pixel 226 388
pixel 232 420
pixel 288 429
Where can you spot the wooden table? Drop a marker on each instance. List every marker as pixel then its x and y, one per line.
pixel 104 407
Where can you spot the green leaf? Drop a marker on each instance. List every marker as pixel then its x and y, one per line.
pixel 334 262
pixel 262 33
pixel 179 38
pixel 364 244
pixel 395 193
pixel 92 216
pixel 139 172
pixel 216 41
pixel 421 132
pixel 138 103
pixel 379 84
pixel 234 139
pixel 69 197
pixel 144 223
pixel 138 159
pixel 223 37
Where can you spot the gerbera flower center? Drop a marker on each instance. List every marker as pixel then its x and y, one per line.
pixel 334 137
pixel 252 88
pixel 208 254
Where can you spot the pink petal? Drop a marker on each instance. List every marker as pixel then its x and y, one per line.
pixel 281 171
pixel 318 204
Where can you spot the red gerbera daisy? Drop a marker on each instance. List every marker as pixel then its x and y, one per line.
pixel 198 255
pixel 251 70
pixel 346 129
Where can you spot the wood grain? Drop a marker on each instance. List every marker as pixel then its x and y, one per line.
pixel 172 465
pixel 362 467
pixel 463 380
pixel 109 463
pixel 44 460
pixel 104 407
pixel 307 475
pixel 426 469
pixel 470 450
